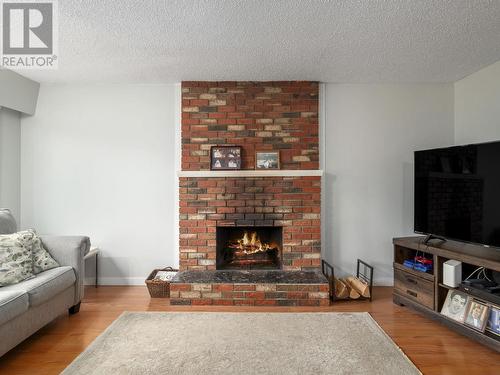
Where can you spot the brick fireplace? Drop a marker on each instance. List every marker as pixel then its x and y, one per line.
pixel 291 203
pixel 258 116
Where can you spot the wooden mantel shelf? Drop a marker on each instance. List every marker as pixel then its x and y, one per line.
pixel 253 173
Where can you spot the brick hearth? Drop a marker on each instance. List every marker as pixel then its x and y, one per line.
pixel 258 116
pixel 274 288
pixel 268 294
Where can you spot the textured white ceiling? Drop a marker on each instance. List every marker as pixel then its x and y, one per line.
pixel 153 41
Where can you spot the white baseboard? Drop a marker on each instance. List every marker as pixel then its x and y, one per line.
pixel 116 281
pixel 383 281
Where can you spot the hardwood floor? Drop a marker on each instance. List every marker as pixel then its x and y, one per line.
pixel 432 347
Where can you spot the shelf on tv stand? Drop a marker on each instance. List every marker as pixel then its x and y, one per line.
pixel 482 338
pixel 446 286
pixel 416 289
pixel 479 255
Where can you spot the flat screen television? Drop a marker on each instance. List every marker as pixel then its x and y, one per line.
pixel 457 193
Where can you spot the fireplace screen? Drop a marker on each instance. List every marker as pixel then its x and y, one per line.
pixel 249 247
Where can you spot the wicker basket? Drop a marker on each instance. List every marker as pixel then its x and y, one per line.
pixel 159 288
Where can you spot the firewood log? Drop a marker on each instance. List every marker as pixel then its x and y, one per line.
pixel 360 286
pixel 341 290
pixel 353 293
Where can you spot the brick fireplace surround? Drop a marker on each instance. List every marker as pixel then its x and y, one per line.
pixel 258 116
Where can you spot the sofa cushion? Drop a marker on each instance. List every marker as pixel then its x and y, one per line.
pixel 12 304
pixel 42 261
pixel 16 260
pixel 45 285
pixel 7 222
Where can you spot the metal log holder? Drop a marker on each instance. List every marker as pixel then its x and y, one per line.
pixel 364 272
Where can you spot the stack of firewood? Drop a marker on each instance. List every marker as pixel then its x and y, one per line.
pixel 351 287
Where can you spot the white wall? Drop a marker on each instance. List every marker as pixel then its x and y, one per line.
pixel 371 132
pixel 10 160
pixel 477 106
pixel 100 161
pixel 18 92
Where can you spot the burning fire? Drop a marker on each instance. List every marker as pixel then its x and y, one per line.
pixel 251 244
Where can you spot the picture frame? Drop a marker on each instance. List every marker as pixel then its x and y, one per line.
pixel 493 324
pixel 267 160
pixel 223 158
pixel 455 305
pixel 476 315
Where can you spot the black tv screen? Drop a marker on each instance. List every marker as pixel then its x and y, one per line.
pixel 457 193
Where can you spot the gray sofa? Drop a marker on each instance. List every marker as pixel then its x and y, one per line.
pixel 28 306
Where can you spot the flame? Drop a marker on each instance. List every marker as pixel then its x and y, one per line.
pixel 250 243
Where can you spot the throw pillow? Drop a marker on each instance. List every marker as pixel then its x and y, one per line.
pixel 42 260
pixel 16 261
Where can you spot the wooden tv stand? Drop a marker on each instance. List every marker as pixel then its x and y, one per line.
pixel 425 292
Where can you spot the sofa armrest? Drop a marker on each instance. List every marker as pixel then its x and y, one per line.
pixel 69 251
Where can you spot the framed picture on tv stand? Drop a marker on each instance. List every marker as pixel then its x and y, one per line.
pixel 493 324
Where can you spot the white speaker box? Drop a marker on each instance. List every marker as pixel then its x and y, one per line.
pixel 452 273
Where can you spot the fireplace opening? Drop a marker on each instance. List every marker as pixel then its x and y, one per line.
pixel 249 248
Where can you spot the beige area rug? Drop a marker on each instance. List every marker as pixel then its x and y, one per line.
pixel 242 343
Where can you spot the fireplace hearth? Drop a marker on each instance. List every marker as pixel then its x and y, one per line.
pixel 244 248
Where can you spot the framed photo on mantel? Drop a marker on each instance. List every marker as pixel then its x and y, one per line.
pixel 267 160
pixel 223 158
